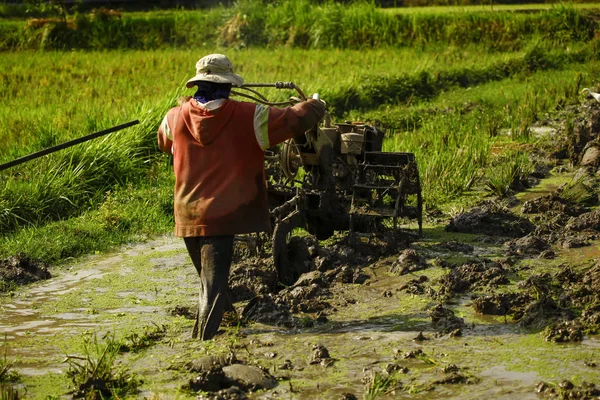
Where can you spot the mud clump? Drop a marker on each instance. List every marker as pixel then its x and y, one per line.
pixel 263 309
pixel 415 286
pixel 231 382
pixel 472 275
pixel 567 390
pixel 252 277
pixel 232 393
pixel 445 321
pixel 303 298
pixel 586 221
pixel 586 126
pixel 542 312
pixel 320 355
pixel 567 305
pixel 20 270
pixel 552 202
pixel 567 331
pixel 182 311
pixel 207 363
pixel 529 245
pixel 493 219
pixel 408 261
pixel 501 304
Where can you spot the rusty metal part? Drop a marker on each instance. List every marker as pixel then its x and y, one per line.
pixel 336 178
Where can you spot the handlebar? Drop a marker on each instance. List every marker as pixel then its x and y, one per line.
pixel 262 99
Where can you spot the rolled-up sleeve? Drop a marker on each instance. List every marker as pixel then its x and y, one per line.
pixel 285 123
pixel 165 135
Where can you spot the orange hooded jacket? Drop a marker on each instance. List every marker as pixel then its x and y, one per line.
pixel 218 157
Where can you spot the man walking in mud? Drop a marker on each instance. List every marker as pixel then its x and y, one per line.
pixel 218 149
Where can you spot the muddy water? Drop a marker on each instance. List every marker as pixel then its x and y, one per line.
pixel 39 328
pixel 370 327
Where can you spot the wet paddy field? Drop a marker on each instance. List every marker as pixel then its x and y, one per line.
pixel 451 314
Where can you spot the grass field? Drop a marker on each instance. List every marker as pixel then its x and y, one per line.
pixel 445 101
pixel 489 7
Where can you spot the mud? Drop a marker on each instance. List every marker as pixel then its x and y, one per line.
pixel 491 218
pixel 529 245
pixel 473 275
pixel 502 304
pixel 553 203
pixel 567 390
pixel 444 320
pixel 20 270
pixel 408 261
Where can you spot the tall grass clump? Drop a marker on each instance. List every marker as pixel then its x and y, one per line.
pixel 74 180
pixel 508 173
pixel 451 152
pixel 96 374
pixel 7 374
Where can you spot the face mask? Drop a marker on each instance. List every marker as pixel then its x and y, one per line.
pixel 208 91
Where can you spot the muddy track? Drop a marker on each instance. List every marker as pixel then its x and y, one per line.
pixel 499 301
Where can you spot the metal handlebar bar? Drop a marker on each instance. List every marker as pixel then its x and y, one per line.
pixel 262 99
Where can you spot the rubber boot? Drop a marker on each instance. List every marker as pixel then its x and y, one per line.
pixel 211 256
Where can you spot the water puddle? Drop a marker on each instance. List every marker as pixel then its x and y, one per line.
pixel 26 317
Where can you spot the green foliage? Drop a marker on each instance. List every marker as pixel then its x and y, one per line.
pixel 97 374
pixel 379 385
pixel 74 179
pixel 578 192
pixel 8 392
pixel 135 342
pixel 130 213
pixel 300 23
pixel 507 172
pixel 7 374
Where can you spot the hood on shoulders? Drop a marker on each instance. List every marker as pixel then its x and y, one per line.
pixel 205 124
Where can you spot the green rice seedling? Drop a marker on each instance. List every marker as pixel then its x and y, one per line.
pixel 8 392
pixel 578 192
pixel 7 374
pixel 379 385
pixel 508 172
pixel 76 178
pixel 135 342
pixel 450 151
pixel 97 374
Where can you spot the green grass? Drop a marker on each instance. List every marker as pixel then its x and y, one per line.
pixel 96 374
pixel 298 23
pixel 488 7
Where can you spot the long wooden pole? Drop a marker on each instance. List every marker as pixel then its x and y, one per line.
pixel 61 146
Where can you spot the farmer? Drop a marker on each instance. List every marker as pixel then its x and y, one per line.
pixel 218 149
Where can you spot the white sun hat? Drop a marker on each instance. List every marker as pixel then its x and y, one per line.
pixel 215 68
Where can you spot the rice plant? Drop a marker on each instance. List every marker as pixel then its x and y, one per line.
pixel 577 191
pixel 508 172
pixel 379 385
pixel 8 392
pixel 97 374
pixel 7 373
pixel 329 24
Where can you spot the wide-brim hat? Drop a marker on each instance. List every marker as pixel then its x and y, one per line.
pixel 215 68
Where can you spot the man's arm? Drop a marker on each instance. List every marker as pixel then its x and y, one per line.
pixel 274 125
pixel 165 136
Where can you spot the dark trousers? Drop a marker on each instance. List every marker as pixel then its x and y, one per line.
pixel 211 256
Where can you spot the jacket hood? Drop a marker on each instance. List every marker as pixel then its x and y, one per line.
pixel 204 124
